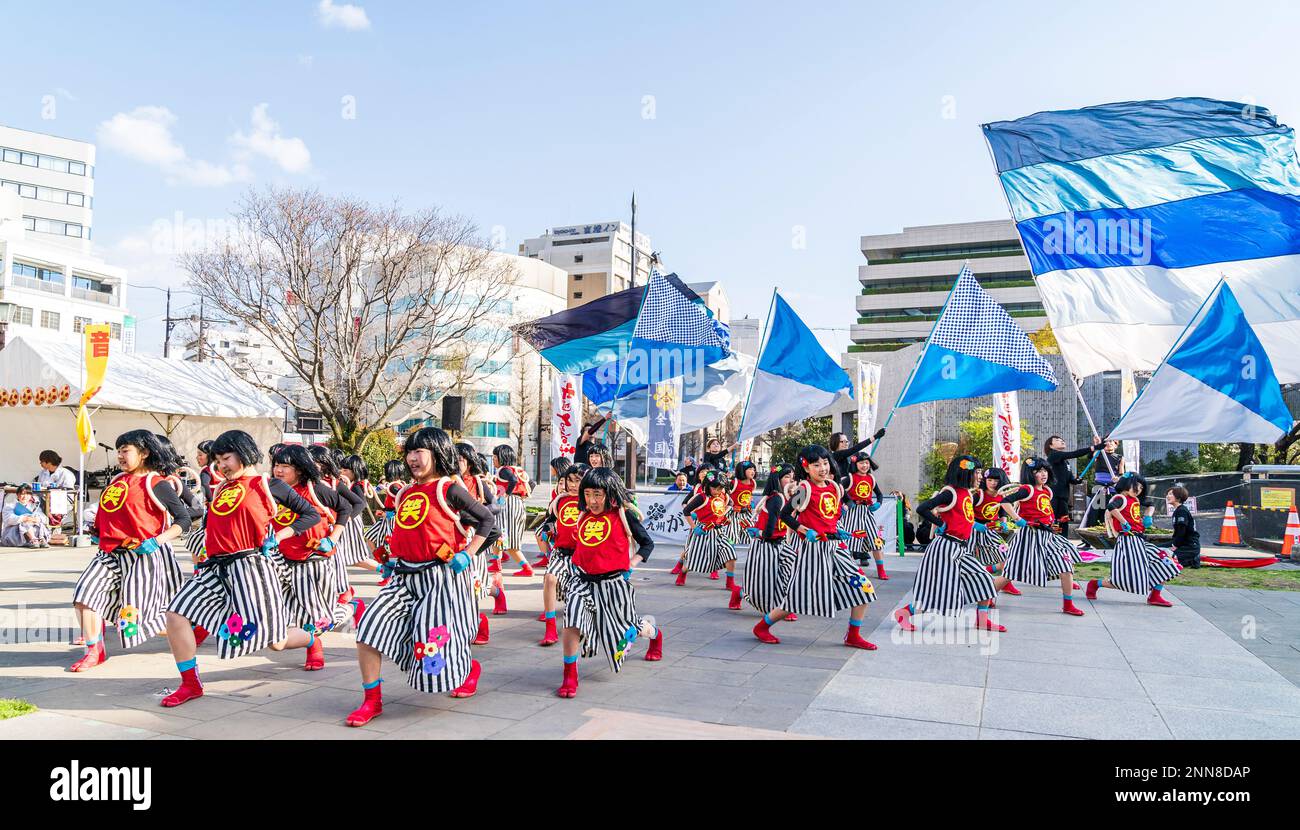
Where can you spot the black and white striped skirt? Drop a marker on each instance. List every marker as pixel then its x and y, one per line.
pixel 512 522
pixel 377 534
pixel 479 578
pixel 240 601
pixel 738 522
pixel 949 578
pixel 767 573
pixel 604 612
pixel 130 592
pixel 353 548
pixel 708 551
pixel 858 518
pixel 194 543
pixel 424 622
pixel 1037 556
pixel 989 549
pixel 311 595
pixel 560 566
pixel 825 579
pixel 1136 565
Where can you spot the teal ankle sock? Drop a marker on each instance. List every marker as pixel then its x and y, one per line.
pixel 369 686
pixel 570 659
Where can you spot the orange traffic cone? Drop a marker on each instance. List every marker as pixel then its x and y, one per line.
pixel 1228 534
pixel 1292 536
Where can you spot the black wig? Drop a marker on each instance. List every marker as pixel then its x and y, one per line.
pixel 774 476
pixel 559 464
pixel 439 445
pixel 996 475
pixel 710 479
pixel 158 460
pixel 325 460
pixel 961 472
pixel 1032 466
pixel 395 470
pixel 603 478
pixel 504 454
pixel 852 466
pixel 1126 483
pixel 606 457
pixel 175 461
pixel 296 456
pixel 810 455
pixel 240 443
pixel 742 466
pixel 473 461
pixel 356 465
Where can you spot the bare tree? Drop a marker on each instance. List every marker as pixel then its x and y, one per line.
pixel 523 403
pixel 358 299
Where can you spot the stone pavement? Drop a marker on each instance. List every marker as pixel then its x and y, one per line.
pixel 1123 671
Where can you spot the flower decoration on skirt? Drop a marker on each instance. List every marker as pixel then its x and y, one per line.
pixel 863 584
pixel 248 631
pixel 128 614
pixel 235 623
pixel 433 664
pixel 420 650
pixel 628 638
pixel 129 629
pixel 439 636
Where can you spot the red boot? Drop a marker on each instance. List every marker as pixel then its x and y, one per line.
pixel 681 578
pixel 370 708
pixel 677 568
pixel 541 616
pixel 903 617
pixel 526 570
pixel 93 657
pixel 358 608
pixel 713 574
pixel 543 562
pixel 731 583
pixel 470 686
pixel 499 602
pixel 494 567
pixel 190 688
pixel 790 617
pixel 1068 607
pixel 315 656
pixel 481 638
pixel 1075 587
pixel 656 650
pixel 1011 589
pixel 569 687
pixel 551 637
pixel 989 625
pixel 734 605
pixel 200 634
pixel 1155 598
pixel 1093 585
pixel 854 638
pixel 347 595
pixel 880 571
pixel 763 632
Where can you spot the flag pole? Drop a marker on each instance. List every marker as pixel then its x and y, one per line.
pixel 908 385
pixel 767 334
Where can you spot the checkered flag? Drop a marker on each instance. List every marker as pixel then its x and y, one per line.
pixel 673 313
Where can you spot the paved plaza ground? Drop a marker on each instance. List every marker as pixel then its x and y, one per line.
pixel 1222 663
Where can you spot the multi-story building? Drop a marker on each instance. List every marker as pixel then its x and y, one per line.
pixel 597 258
pixel 54 179
pixel 908 276
pixel 247 352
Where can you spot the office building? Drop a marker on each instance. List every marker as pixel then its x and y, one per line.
pixel 597 258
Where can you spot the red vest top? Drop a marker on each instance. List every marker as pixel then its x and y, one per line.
pixel 1131 510
pixel 989 509
pixel 760 521
pixel 822 510
pixel 216 478
pixel 742 495
pixel 302 546
pixel 567 512
pixel 603 542
pixel 713 513
pixel 862 488
pixel 239 515
pixel 958 517
pixel 426 527
pixel 521 485
pixel 128 509
pixel 1037 509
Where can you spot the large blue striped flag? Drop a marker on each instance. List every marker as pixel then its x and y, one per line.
pixel 591 335
pixel 1130 214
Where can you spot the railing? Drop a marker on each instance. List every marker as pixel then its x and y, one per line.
pixel 38 285
pixel 105 297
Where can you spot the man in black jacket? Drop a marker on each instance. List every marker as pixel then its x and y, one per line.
pixel 1063 478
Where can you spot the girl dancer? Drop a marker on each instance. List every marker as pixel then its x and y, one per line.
pixel 990 548
pixel 741 492
pixel 708 547
pixel 237 590
pixel 861 500
pixel 771 559
pixel 1137 566
pixel 1038 555
pixel 483 581
pixel 601 607
pixel 558 466
pixel 377 534
pixel 424 619
pixel 353 549
pixel 128 580
pixel 825 578
pixel 841 449
pixel 311 594
pixel 950 577
pixel 563 517
pixel 209 473
pixel 512 489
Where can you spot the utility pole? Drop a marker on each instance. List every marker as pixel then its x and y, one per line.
pixel 629 468
pixel 202 333
pixel 167 327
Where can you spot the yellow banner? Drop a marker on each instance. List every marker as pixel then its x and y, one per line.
pixel 97 338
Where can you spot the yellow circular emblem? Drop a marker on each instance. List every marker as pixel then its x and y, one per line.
pixel 828 506
pixel 569 514
pixel 412 510
pixel 114 496
pixel 229 497
pixel 595 530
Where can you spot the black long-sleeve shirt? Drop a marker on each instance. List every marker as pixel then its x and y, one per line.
pixel 171 502
pixel 474 514
pixel 1062 475
pixel 586 440
pixel 1186 536
pixel 192 502
pixel 356 503
pixel 645 545
pixel 331 498
pixel 308 515
pixel 774 505
pixel 508 478
pixel 717 459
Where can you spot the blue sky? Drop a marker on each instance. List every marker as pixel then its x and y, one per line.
pixel 771 122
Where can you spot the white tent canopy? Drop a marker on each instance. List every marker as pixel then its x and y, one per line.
pixel 187 401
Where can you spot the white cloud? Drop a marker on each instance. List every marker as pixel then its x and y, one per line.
pixel 145 134
pixel 290 154
pixel 346 16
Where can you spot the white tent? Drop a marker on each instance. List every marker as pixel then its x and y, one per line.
pixel 40 383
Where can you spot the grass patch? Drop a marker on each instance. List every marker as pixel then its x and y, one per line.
pixel 12 707
pixel 1271 579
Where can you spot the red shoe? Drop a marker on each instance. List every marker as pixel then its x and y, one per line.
pixel 499 602
pixel 904 619
pixel 541 616
pixel 359 608
pixel 763 632
pixel 1076 586
pixel 677 568
pixel 993 603
pixel 731 583
pixel 543 562
pixel 854 638
pixel 470 686
pixel 190 688
pixel 1068 607
pixel 79 640
pixel 481 638
pixel 371 708
pixel 791 618
pixel 1093 585
pixel 681 578
pixel 494 567
pixel 880 571
pixel 347 595
pixel 656 649
pixel 383 582
pixel 526 570
pixel 569 687
pixel 989 625
pixel 200 634
pixel 315 656
pixel 551 637
pixel 1011 589
pixel 713 575
pixel 1155 598
pixel 93 657
pixel 734 605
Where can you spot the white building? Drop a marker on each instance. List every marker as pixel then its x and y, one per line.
pixel 54 179
pixel 247 352
pixel 597 258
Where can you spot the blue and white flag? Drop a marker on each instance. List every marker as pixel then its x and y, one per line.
pixel 665 402
pixel 1130 213
pixel 1217 384
pixel 975 349
pixel 795 378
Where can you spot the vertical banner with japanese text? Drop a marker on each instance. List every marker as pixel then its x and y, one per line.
pixel 665 418
pixel 564 416
pixel 1006 434
pixel 96 338
pixel 1131 448
pixel 868 398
